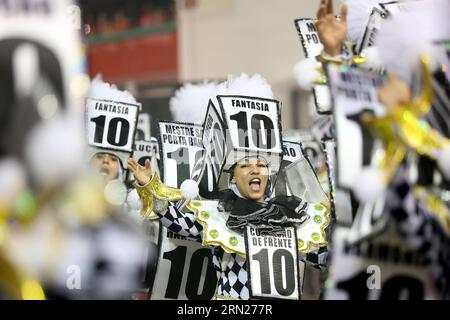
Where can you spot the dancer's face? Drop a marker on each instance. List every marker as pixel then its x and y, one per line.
pixel 251 176
pixel 106 165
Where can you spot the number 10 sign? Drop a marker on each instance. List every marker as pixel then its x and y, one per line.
pixel 272 264
pixel 111 124
pixel 252 127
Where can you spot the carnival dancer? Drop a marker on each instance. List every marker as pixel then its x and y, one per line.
pixel 106 107
pixel 112 120
pixel 245 218
pixel 109 147
pixel 107 165
pixel 404 129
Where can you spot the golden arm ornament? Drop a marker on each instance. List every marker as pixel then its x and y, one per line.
pixel 156 196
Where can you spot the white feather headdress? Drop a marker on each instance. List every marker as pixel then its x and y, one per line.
pixel 190 102
pixel 255 86
pixel 103 90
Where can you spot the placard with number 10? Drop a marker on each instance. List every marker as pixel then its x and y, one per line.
pixel 253 126
pixel 111 126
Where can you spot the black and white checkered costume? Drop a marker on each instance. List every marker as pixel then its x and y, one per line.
pixel 422 231
pixel 230 268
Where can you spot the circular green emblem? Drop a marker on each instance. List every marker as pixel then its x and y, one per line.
pixel 214 233
pixel 233 241
pixel 315 236
pixel 205 215
pixel 318 207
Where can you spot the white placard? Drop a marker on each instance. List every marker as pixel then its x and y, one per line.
pixel 181 148
pixel 355 89
pixel 312 47
pixel 253 127
pixel 355 92
pixel 292 151
pixel 253 123
pixel 111 124
pixel 310 38
pixel 378 269
pixel 185 269
pixel 272 265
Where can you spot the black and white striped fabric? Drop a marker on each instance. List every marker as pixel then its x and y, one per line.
pixel 231 268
